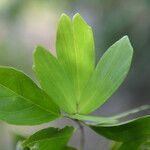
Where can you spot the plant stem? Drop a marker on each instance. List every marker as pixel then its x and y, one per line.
pixel 82 134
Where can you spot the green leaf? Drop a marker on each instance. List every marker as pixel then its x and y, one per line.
pixel 93 119
pixel 22 102
pixel 70 148
pixel 49 138
pixel 147 144
pixel 108 76
pixel 138 144
pixel 127 131
pixel 75 50
pixel 131 145
pixel 54 80
pixel 116 145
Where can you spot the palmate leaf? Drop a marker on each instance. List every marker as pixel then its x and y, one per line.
pixel 71 79
pixel 54 80
pixel 22 102
pixel 108 76
pixel 132 133
pixel 50 139
pixel 75 50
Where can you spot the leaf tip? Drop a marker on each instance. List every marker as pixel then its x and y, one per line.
pixel 37 49
pixel 78 19
pixel 77 15
pixel 126 40
pixel 64 17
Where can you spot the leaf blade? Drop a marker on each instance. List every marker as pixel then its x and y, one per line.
pixel 50 138
pixel 20 100
pixel 126 131
pixel 75 50
pixel 108 75
pixel 136 144
pixel 93 119
pixel 54 80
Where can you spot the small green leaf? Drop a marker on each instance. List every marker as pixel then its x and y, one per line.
pixel 49 138
pixel 54 80
pixel 124 132
pixel 94 119
pixel 75 50
pixel 22 102
pixel 108 76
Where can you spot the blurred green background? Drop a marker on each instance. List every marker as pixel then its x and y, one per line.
pixel 27 23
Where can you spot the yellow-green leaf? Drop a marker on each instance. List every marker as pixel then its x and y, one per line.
pixel 75 51
pixel 54 80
